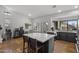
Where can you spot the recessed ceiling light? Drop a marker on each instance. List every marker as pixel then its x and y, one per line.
pixel 29 14
pixel 76 7
pixel 59 11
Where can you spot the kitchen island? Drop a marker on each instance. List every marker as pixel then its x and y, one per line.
pixel 45 38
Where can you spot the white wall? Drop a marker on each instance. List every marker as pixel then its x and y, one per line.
pixel 16 19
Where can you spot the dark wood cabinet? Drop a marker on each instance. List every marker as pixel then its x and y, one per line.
pixel 66 36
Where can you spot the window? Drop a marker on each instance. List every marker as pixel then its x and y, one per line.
pixel 72 25
pixel 69 25
pixel 78 24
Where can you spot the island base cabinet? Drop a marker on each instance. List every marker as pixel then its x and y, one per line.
pixel 44 49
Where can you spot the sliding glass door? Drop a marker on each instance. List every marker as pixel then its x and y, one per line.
pixel 63 25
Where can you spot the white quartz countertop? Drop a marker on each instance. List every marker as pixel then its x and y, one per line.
pixel 63 31
pixel 42 37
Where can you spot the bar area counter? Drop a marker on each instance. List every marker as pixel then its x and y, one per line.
pixel 69 36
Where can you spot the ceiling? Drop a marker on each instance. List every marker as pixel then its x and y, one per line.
pixel 37 10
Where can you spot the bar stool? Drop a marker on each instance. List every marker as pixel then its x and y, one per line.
pixel 25 40
pixel 34 45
